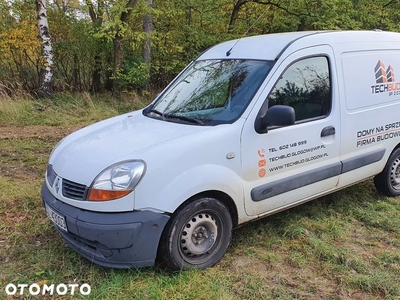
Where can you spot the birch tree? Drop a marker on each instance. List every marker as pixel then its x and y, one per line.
pixel 47 50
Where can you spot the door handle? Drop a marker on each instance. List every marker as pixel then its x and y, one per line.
pixel 328 130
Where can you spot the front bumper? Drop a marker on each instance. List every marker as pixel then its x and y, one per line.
pixel 113 240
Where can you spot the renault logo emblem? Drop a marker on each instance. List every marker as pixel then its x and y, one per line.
pixel 57 185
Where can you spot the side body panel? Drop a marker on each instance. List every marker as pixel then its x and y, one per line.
pixel 370 97
pixel 206 161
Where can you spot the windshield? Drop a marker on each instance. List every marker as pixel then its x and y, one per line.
pixel 211 92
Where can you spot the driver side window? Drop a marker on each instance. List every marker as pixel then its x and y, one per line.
pixel 306 87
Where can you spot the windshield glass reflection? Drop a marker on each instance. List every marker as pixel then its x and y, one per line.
pixel 211 92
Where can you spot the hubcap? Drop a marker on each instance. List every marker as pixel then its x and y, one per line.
pixel 199 235
pixel 395 174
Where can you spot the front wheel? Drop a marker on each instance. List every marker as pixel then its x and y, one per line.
pixel 388 181
pixel 197 235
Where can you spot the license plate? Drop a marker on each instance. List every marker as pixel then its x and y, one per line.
pixel 57 219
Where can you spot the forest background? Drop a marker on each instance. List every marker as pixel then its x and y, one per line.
pixel 341 246
pixel 138 45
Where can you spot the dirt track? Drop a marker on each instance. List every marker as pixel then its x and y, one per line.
pixel 13 132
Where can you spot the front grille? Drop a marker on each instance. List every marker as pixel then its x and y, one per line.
pixel 74 190
pixel 51 175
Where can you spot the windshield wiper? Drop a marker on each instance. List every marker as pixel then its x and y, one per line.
pixel 186 118
pixel 156 112
pixel 176 117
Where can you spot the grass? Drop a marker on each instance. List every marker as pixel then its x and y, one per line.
pixel 65 109
pixel 342 246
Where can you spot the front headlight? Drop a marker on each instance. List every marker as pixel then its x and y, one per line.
pixel 117 181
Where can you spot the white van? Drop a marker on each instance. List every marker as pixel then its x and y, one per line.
pixel 250 128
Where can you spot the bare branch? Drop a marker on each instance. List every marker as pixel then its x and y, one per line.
pixel 390 3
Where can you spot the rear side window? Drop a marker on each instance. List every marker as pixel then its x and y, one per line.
pixel 306 87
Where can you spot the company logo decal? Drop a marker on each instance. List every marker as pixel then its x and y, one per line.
pixel 385 79
pixel 383 75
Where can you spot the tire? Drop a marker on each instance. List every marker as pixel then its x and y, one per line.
pixel 197 235
pixel 388 181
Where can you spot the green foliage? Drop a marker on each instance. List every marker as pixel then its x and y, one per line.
pixel 74 46
pixel 84 32
pixel 19 46
pixel 134 75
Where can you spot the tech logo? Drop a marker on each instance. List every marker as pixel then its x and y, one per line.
pixel 382 74
pixel 385 80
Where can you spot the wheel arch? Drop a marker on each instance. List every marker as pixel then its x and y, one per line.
pixel 384 180
pixel 219 195
pixel 385 161
pixel 390 154
pixel 395 148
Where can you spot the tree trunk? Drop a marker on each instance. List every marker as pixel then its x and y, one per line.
pixel 118 54
pixel 235 14
pixel 117 40
pixel 46 86
pixel 96 15
pixel 148 29
pixel 96 74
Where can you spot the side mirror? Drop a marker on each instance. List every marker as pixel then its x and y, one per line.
pixel 278 115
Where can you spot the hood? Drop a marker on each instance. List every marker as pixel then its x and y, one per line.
pixel 82 155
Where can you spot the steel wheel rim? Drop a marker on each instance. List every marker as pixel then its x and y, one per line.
pixel 199 235
pixel 395 174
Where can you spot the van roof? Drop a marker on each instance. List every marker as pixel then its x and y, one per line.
pixel 271 46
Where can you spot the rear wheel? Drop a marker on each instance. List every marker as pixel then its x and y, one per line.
pixel 388 181
pixel 197 235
